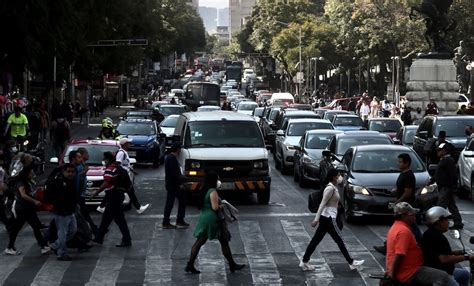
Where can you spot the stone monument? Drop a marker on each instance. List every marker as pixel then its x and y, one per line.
pixel 433 75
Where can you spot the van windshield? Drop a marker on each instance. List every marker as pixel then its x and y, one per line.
pixel 212 134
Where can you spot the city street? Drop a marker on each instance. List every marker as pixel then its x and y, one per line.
pixel 269 239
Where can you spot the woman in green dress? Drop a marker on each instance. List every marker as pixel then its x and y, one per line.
pixel 208 225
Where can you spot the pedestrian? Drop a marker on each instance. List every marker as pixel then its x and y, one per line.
pixel 405 191
pixel 462 110
pixel 406 116
pixel 115 184
pixel 81 175
pixel 174 188
pixel 446 179
pixel 404 261
pixel 124 160
pixel 18 125
pixel 59 135
pixel 325 222
pixel 63 196
pixel 25 211
pixel 437 252
pixel 431 147
pixel 208 226
pixel 364 112
pixel 374 107
pixel 44 123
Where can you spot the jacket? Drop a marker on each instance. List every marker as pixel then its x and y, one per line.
pixel 445 175
pixel 173 176
pixel 63 196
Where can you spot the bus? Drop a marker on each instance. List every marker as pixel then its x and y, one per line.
pixel 201 93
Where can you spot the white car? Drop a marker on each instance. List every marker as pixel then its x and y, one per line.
pixel 208 108
pixel 463 100
pixel 246 107
pixel 466 168
pixel 248 74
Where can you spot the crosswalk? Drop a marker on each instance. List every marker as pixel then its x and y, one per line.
pixel 271 248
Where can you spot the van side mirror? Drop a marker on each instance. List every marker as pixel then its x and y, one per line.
pixel 280 133
pixel 423 134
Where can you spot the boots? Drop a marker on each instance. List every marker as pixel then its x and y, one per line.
pixel 234 266
pixel 190 268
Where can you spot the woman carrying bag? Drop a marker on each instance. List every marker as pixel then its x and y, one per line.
pixel 325 222
pixel 211 226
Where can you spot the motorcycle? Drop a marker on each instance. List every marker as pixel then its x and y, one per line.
pixel 457 235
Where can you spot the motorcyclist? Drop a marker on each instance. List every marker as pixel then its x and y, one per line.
pixel 108 131
pixel 437 251
pixel 18 125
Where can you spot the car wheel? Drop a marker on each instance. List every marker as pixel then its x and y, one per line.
pixel 277 162
pixel 263 197
pixel 296 177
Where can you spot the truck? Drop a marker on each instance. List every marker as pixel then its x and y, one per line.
pixel 233 71
pixel 201 93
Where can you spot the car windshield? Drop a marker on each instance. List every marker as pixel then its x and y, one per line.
pixel 134 128
pixel 168 110
pixel 138 114
pixel 247 106
pixel 318 141
pixel 385 125
pixel 409 136
pixel 274 114
pixel 258 111
pixel 208 108
pixel 454 127
pixel 169 122
pixel 348 121
pixel 383 161
pixel 207 134
pixel 330 115
pixel 345 143
pixel 283 101
pixel 96 153
pixel 225 87
pixel 298 129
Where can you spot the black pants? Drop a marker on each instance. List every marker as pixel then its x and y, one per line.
pixel 446 200
pixel 170 197
pixel 85 214
pixel 133 199
pixel 327 225
pixel 224 247
pixel 113 212
pixel 29 216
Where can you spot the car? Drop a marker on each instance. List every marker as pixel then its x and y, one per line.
pixel 229 143
pixel 248 74
pixel 224 89
pixel 263 97
pixel 405 135
pixel 347 122
pixel 389 126
pixel 329 114
pixel 157 104
pixel 148 142
pixel 165 110
pixel 308 154
pixel 141 114
pixel 320 111
pixel 343 102
pixel 167 126
pixel 179 93
pixel 246 107
pixel 95 173
pixel 340 143
pixel 371 172
pixel 233 83
pixel 289 137
pixel 430 126
pixel 208 108
pixel 300 106
pixel 466 170
pixel 267 124
pixel 258 113
pixel 282 99
pixel 463 100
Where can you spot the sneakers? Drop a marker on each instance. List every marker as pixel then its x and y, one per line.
pixel 168 226
pixel 12 251
pixel 101 210
pixel 142 209
pixel 182 224
pixel 305 266
pixel 356 263
pixel 45 250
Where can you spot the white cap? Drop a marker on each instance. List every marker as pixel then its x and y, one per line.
pixel 125 140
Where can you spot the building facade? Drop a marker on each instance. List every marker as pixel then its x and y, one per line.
pixel 209 18
pixel 239 10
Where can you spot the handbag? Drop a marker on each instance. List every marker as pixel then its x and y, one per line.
pixel 223 233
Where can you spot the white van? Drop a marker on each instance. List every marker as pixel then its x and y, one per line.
pixel 281 99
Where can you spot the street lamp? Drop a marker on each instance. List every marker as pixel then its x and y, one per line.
pixel 300 57
pixel 316 59
pixel 396 79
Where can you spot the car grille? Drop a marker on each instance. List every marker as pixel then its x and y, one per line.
pixel 93 184
pixel 229 169
pixel 382 192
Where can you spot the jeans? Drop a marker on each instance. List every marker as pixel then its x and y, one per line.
pixel 429 276
pixel 113 212
pixel 460 277
pixel 170 197
pixel 30 216
pixel 446 200
pixel 67 227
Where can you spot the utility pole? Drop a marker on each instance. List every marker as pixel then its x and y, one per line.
pixel 301 68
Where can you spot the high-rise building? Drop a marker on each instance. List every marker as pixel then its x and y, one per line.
pixel 209 17
pixel 194 3
pixel 223 17
pixel 238 11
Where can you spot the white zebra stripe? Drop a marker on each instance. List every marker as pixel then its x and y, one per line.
pixel 212 265
pixel 158 264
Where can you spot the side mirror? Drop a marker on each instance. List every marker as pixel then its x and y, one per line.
pixel 54 160
pixel 397 141
pixel 133 161
pixel 423 134
pixel 432 169
pixel 280 133
pixel 268 147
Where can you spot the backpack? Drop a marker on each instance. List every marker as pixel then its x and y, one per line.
pixel 123 179
pixel 50 185
pixel 61 132
pixel 315 199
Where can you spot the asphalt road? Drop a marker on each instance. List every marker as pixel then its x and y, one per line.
pixel 269 239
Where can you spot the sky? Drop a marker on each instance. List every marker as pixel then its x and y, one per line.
pixel 214 3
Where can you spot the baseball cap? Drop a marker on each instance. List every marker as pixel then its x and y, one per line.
pixel 175 146
pixel 405 208
pixel 125 140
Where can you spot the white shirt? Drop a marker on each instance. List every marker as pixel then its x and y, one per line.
pixel 124 159
pixel 329 203
pixel 365 110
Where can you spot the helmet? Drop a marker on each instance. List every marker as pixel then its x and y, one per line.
pixel 107 123
pixel 436 213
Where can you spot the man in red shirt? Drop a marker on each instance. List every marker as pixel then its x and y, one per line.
pixel 404 261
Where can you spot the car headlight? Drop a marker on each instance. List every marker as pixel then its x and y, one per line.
pixel 308 160
pixel 429 189
pixel 290 147
pixel 195 165
pixel 262 164
pixel 360 190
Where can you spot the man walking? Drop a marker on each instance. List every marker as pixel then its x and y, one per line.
pixel 446 179
pixel 81 173
pixel 116 182
pixel 124 160
pixel 18 125
pixel 63 197
pixel 59 135
pixel 173 182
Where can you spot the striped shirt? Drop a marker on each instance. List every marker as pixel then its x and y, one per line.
pixel 110 177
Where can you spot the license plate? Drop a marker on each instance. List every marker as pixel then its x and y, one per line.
pixel 228 186
pixel 132 153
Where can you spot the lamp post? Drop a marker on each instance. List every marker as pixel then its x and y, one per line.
pixel 316 59
pixel 396 80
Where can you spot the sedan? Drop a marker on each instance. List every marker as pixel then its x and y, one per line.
pixel 466 169
pixel 167 126
pixel 347 122
pixel 308 154
pixel 168 109
pixel 389 126
pixel 370 174
pixel 340 143
pixel 208 108
pixel 406 135
pixel 246 107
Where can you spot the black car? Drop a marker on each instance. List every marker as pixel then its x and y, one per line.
pixel 308 154
pixel 340 143
pixel 406 135
pixel 430 127
pixel 267 124
pixel 165 110
pixel 370 174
